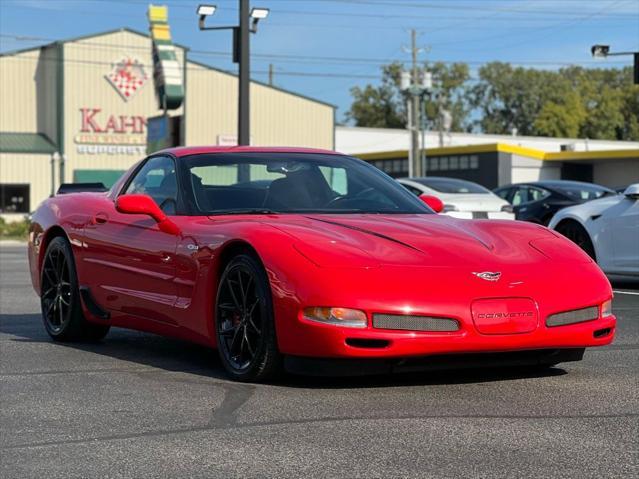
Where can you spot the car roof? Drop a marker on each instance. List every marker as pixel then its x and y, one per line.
pixel 555 184
pixel 417 179
pixel 560 183
pixel 182 151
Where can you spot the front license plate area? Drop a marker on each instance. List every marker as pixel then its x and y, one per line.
pixel 505 315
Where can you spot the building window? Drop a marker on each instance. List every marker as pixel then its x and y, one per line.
pixel 433 164
pixel 474 162
pixel 463 162
pixel 443 163
pixel 454 162
pixel 14 198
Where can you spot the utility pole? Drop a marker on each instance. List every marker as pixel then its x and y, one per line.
pixel 415 156
pixel 416 86
pixel 270 74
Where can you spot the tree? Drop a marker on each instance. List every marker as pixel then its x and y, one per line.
pixel 507 97
pixel 561 119
pixel 570 102
pixel 384 106
pixel 380 106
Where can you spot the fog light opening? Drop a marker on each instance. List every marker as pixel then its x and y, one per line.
pixel 602 333
pixel 368 343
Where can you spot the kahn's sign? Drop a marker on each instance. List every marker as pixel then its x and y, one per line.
pixel 93 122
pixel 111 134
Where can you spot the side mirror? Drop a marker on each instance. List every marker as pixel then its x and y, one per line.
pixel 435 203
pixel 144 205
pixel 632 191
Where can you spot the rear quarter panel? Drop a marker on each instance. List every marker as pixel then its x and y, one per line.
pixel 65 215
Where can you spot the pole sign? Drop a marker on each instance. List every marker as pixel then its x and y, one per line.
pixel 167 72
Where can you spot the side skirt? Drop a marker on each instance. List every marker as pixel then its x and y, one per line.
pixel 90 303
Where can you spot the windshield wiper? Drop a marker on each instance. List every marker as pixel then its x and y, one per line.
pixel 247 211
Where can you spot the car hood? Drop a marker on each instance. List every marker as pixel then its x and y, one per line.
pixel 421 240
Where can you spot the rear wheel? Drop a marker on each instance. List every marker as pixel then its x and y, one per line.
pixel 244 321
pixel 578 235
pixel 60 297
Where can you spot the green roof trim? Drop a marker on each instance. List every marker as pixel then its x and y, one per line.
pixel 25 143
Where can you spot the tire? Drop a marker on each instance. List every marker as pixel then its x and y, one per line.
pixel 60 297
pixel 578 235
pixel 244 324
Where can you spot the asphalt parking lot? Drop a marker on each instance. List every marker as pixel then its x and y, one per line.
pixel 138 405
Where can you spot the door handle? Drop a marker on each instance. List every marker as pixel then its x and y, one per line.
pixel 100 218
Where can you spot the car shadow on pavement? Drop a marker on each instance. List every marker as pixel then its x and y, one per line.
pixel 174 355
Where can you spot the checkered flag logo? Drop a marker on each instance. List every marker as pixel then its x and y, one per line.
pixel 127 77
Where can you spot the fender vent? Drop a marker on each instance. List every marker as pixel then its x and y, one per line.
pixel 414 323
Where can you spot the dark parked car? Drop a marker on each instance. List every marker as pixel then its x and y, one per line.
pixel 538 201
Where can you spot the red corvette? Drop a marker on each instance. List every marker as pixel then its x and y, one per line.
pixel 310 260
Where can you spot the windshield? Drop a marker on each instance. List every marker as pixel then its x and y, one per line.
pixel 585 192
pixel 451 185
pixel 230 183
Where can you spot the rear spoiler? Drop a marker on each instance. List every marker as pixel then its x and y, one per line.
pixel 66 188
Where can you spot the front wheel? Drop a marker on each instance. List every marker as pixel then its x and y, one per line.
pixel 578 235
pixel 245 328
pixel 60 297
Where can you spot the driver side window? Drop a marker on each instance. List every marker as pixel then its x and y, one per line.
pixel 157 179
pixel 520 196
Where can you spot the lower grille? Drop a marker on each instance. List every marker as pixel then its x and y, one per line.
pixel 414 323
pixel 575 316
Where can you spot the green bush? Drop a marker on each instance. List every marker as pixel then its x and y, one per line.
pixel 14 230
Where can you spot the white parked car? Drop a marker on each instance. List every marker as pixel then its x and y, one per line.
pixel 461 198
pixel 607 229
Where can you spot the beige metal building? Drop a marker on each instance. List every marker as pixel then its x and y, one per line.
pixel 77 110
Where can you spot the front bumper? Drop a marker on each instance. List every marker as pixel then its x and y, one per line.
pixel 375 291
pixel 320 340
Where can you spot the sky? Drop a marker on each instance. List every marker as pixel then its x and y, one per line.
pixel 322 48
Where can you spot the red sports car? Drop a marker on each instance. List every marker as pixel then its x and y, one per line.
pixel 309 260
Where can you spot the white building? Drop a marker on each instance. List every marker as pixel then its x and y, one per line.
pixel 495 160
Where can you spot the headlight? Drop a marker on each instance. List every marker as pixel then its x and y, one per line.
pixel 448 208
pixel 349 318
pixel 606 308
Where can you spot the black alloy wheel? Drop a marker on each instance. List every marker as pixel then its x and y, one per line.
pixel 578 235
pixel 56 290
pixel 60 297
pixel 244 321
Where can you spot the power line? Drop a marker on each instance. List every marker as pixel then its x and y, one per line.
pixel 381 16
pixel 304 58
pixel 449 6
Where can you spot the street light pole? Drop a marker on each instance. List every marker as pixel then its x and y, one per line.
pixel 241 54
pixel 244 102
pixel 603 51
